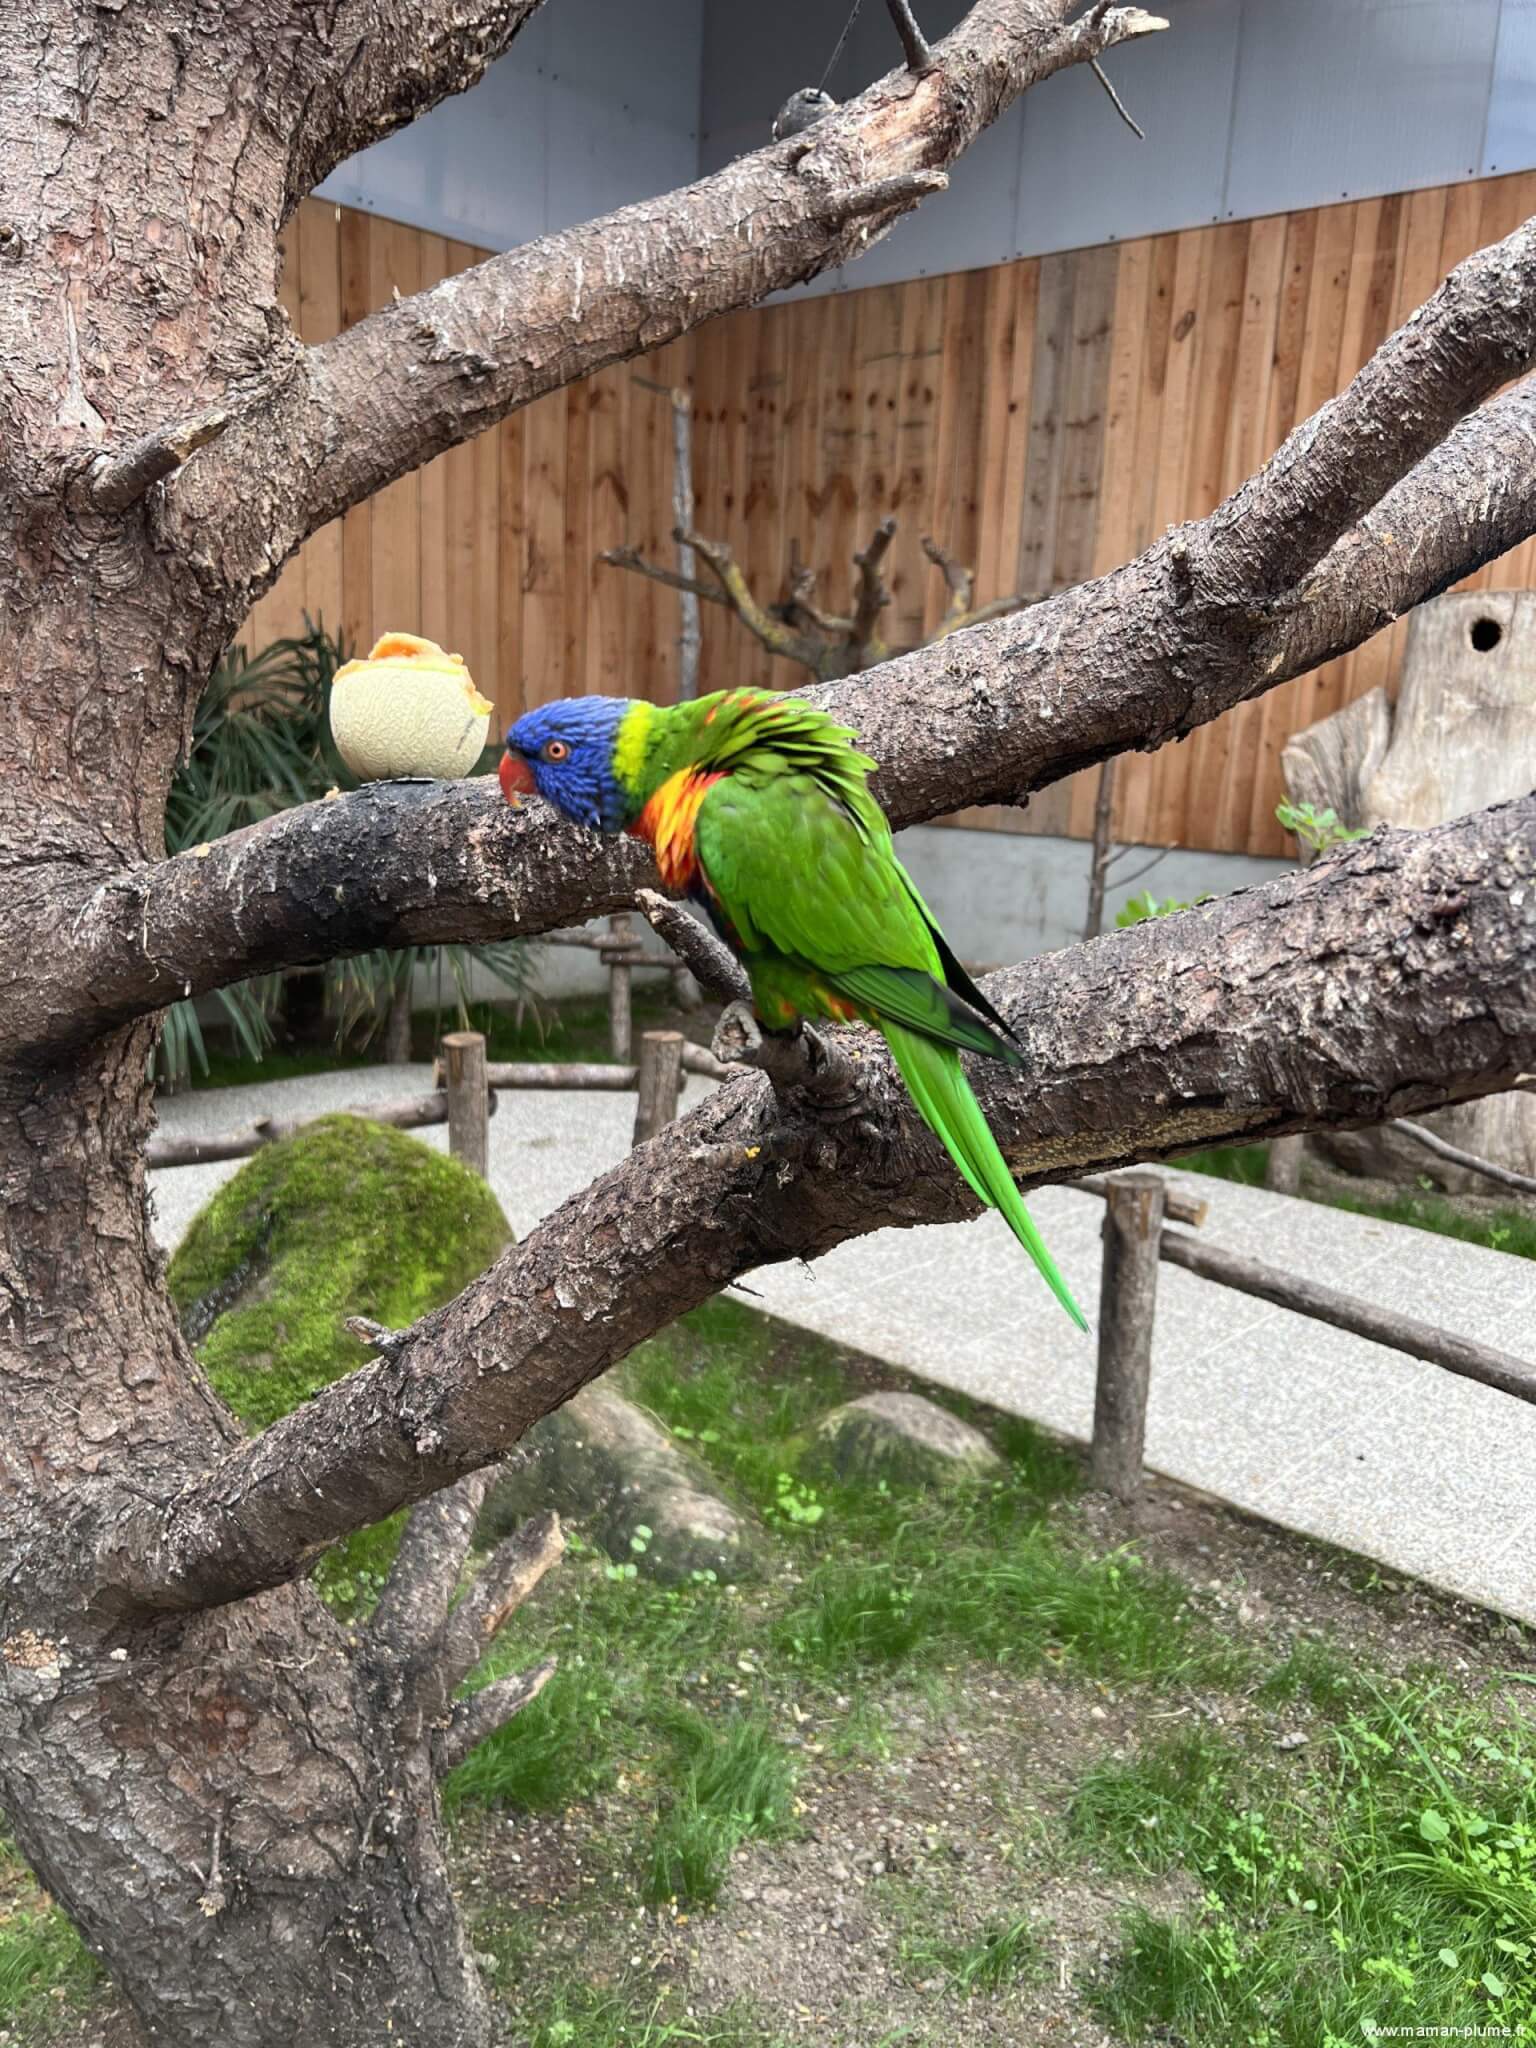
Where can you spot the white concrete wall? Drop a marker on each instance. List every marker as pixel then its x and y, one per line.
pixel 1005 896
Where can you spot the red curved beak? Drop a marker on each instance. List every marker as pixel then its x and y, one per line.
pixel 516 777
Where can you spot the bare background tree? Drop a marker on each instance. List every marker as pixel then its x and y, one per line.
pixel 829 644
pixel 236 1804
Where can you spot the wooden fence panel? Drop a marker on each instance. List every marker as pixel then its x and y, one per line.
pixel 1044 421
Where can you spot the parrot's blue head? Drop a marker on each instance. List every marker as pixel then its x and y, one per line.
pixel 566 751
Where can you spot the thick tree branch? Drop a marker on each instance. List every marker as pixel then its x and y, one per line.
pixel 478 1717
pixel 432 370
pixel 425 1575
pixel 1473 501
pixel 359 70
pixel 990 715
pixel 712 964
pixel 1393 975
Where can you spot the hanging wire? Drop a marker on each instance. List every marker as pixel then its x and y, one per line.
pixel 853 15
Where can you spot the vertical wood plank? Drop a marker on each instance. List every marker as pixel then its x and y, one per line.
pixel 766 454
pixel 1042 460
pixel 922 355
pixel 576 576
pixel 543 580
pixel 510 563
pixel 441 619
pixel 319 224
pixel 1006 515
pixel 1229 765
pixel 838 513
pixel 606 669
pixel 394 265
pixel 357 620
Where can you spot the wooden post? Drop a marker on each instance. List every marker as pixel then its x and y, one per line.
pixel 620 1028
pixel 468 1097
pixel 660 1083
pixel 1098 870
pixel 1282 1171
pixel 1133 1226
pixel 688 638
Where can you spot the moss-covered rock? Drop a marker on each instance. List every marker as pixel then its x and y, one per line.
pixel 903 1439
pixel 348 1218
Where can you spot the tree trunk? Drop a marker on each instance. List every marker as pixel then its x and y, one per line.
pixel 1461 736
pixel 397 1026
pixel 127 1750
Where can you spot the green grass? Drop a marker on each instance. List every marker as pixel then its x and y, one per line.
pixel 684 1695
pixel 736 1783
pixel 1501 1230
pixel 1002 1953
pixel 1384 1877
pixel 43 1962
pixel 1244 1164
pixel 1165 1808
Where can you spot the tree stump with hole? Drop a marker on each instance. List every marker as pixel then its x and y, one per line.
pixel 1461 735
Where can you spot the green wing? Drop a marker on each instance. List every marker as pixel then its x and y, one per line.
pixel 813 878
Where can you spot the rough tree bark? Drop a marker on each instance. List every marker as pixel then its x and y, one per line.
pixel 238 1806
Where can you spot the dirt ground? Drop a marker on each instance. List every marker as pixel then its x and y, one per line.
pixel 957 1825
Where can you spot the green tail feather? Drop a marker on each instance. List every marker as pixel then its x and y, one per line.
pixel 944 1099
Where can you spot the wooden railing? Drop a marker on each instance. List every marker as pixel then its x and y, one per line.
pixel 1139 1208
pixel 1136 1241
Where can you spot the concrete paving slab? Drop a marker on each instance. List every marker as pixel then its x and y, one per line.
pixel 1284 1417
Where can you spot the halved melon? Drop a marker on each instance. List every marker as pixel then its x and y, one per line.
pixel 409 709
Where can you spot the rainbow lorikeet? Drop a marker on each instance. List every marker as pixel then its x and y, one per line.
pixel 758 807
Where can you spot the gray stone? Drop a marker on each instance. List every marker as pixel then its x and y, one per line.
pixel 603 1464
pixel 903 1438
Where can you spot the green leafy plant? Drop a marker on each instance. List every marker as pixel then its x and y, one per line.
pixel 1314 828
pixel 1138 909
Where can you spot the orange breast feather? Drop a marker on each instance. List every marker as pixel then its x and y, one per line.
pixel 668 822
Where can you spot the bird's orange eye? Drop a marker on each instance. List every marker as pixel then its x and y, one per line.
pixel 556 750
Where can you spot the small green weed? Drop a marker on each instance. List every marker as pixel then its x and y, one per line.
pixel 1007 1952
pixel 1318 830
pixel 40 1954
pixel 1392 1883
pixel 734 1783
pixel 584 2016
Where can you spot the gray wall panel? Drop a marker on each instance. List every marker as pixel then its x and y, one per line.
pixel 597 103
pixel 1250 106
pixel 1509 142
pixel 1335 101
pixel 1084 178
